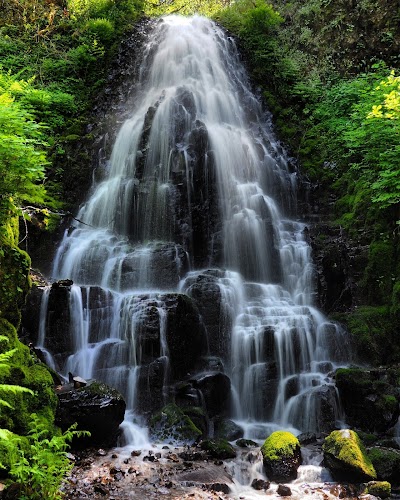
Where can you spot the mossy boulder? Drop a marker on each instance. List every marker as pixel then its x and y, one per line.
pixel 281 456
pixel 218 448
pixel 369 397
pixel 96 408
pixel 346 457
pixel 381 489
pixel 386 462
pixel 229 430
pixel 173 425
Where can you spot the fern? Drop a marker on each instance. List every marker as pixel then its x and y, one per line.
pixel 41 468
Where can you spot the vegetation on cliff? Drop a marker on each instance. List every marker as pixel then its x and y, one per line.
pixel 54 57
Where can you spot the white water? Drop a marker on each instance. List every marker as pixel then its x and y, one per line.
pixel 139 232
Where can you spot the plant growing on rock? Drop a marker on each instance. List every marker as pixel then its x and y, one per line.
pixel 281 456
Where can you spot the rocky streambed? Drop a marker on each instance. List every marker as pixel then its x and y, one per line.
pixel 165 471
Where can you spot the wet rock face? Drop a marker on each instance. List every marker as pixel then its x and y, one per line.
pixel 206 293
pixel 96 408
pixel 185 335
pixel 370 398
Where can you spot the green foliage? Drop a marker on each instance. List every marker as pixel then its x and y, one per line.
pixel 23 370
pixel 375 334
pixel 255 22
pixel 278 445
pixel 5 362
pixel 165 7
pixel 22 158
pixel 40 468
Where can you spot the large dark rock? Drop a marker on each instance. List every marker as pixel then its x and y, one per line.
pixel 167 264
pixel 370 398
pixel 206 290
pixel 185 334
pixel 227 429
pixel 215 389
pixel 172 424
pixel 281 456
pixel 386 462
pixel 346 458
pixel 96 408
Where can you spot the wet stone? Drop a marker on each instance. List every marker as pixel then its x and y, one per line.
pixel 260 484
pixel 284 491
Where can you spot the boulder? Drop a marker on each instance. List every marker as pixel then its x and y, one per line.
pixel 284 491
pixel 281 456
pixel 96 408
pixel 218 448
pixel 260 484
pixel 172 424
pixel 215 389
pixel 386 462
pixel 346 458
pixel 369 398
pixel 227 429
pixel 380 489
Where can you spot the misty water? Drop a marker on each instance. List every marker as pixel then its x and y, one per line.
pixel 194 117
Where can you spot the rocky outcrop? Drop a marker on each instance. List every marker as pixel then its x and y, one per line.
pixel 281 456
pixel 370 398
pixel 386 462
pixel 172 424
pixel 346 458
pixel 96 408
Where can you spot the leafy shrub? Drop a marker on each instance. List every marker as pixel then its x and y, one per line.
pixel 102 29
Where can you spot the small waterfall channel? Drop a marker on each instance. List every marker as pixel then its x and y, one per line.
pixel 189 259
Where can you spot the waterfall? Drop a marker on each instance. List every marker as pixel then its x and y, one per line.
pixel 198 203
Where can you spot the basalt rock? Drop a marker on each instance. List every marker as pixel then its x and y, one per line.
pixel 370 398
pixel 96 408
pixel 346 458
pixel 281 456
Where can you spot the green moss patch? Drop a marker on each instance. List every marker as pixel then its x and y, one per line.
pixel 280 444
pixel 218 448
pixel 345 456
pixel 173 425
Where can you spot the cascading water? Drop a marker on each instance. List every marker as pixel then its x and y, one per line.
pixel 199 194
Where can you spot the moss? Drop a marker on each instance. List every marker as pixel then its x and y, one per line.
pixel 375 333
pixel 278 445
pixel 377 280
pixel 171 423
pixel 14 281
pixel 381 489
pixel 386 462
pixel 346 447
pixel 26 371
pixel 218 448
